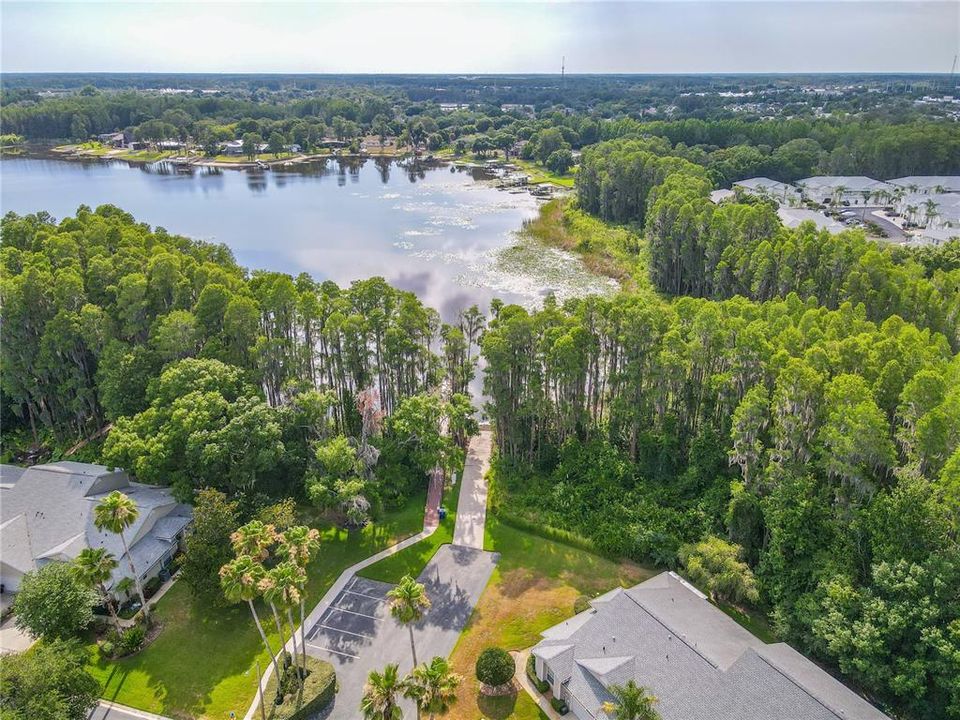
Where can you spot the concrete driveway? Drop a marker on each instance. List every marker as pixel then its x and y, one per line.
pixel 356 633
pixel 13 640
pixel 112 711
pixel 472 507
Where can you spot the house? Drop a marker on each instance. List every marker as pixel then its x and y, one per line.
pixel 114 139
pixel 668 638
pixel 845 190
pixel 718 196
pixel 783 193
pixel 935 211
pixel 930 236
pixel 47 512
pixel 792 217
pixel 232 147
pixel 927 184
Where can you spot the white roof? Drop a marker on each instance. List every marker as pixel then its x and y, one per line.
pixel 951 183
pixel 852 183
pixel 772 187
pixel 718 196
pixel 792 217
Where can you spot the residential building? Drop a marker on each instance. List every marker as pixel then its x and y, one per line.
pixel 232 147
pixel 845 190
pixel 668 638
pixel 783 193
pixel 928 184
pixel 792 217
pixel 718 196
pixel 47 515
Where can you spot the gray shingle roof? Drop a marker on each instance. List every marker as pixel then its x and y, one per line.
pixel 928 182
pixel 46 514
pixel 700 664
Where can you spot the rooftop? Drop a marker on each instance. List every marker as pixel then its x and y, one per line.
pixel 667 637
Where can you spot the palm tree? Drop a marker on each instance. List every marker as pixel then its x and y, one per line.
pixel 240 579
pixel 116 512
pixel 632 703
pixel 299 544
pixel 95 566
pixel 380 692
pixel 253 539
pixel 408 600
pixel 282 587
pixel 433 687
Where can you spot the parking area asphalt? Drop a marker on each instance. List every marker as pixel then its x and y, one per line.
pixel 356 633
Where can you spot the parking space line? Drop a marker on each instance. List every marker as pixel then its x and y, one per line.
pixel 339 609
pixel 371 597
pixel 347 632
pixel 335 652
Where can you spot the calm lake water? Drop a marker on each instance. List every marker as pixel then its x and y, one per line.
pixel 443 233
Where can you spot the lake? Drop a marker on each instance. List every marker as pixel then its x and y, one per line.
pixel 445 233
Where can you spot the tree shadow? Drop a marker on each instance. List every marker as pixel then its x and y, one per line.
pixel 497 707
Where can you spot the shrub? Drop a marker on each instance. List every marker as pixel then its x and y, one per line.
pixel 150 587
pixel 541 685
pixel 559 705
pixel 107 649
pixel 495 666
pixel 580 604
pixel 319 687
pixel 131 640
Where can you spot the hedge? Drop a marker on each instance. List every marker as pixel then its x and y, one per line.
pixel 319 688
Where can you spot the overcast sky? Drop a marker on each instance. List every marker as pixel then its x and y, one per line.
pixel 669 36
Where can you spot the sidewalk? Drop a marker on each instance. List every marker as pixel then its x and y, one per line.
pixel 106 710
pixel 540 700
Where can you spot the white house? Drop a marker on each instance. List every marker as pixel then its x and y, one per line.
pixel 47 512
pixel 701 665
pixel 783 193
pixel 845 190
pixel 927 184
pixel 792 217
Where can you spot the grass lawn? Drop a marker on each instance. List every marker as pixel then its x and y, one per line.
pixel 412 560
pixel 539 174
pixel 533 587
pixel 202 664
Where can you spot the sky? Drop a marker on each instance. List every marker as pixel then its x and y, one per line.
pixel 664 36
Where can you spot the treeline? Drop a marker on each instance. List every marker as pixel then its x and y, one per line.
pixel 824 444
pixel 702 249
pixel 96 308
pixel 787 150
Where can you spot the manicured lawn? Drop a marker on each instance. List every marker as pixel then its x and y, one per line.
pixel 533 587
pixel 539 174
pixel 202 664
pixel 412 560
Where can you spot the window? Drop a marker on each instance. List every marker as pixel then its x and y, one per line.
pixel 549 677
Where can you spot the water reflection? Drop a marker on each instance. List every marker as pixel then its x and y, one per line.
pixel 438 231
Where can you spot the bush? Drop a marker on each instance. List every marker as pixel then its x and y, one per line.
pixel 150 587
pixel 580 604
pixel 107 649
pixel 131 640
pixel 541 685
pixel 559 705
pixel 319 687
pixel 495 666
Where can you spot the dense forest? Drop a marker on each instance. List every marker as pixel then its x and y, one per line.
pixel 792 392
pixel 208 375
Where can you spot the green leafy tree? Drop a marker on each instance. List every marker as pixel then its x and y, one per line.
pixel 380 693
pixel 495 666
pixel 632 702
pixel 207 545
pixel 433 687
pixel 715 564
pixel 48 682
pixel 116 512
pixel 407 602
pixel 95 567
pixel 54 602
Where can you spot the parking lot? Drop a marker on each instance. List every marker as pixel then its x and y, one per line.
pixel 356 633
pixel 352 620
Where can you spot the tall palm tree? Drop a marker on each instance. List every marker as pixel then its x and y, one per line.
pixel 240 579
pixel 433 687
pixel 282 586
pixel 632 703
pixel 299 544
pixel 253 539
pixel 408 600
pixel 95 566
pixel 380 692
pixel 116 512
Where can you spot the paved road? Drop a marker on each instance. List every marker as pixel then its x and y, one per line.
pixel 472 508
pixel 356 633
pixel 111 711
pixel 868 214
